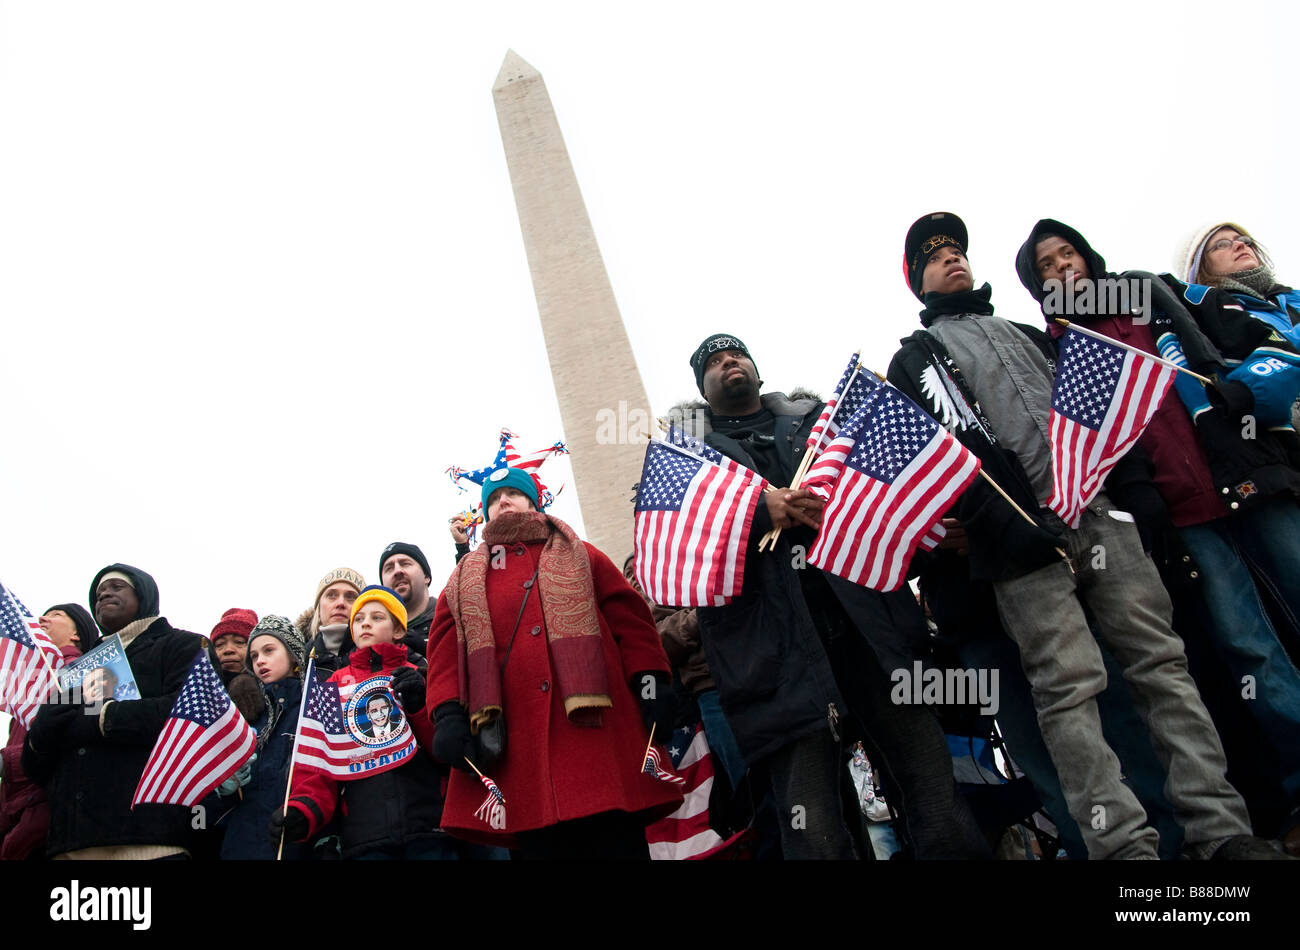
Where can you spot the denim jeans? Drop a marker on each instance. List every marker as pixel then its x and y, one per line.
pixel 1266 539
pixel 1043 613
pixel 1121 727
pixel 722 742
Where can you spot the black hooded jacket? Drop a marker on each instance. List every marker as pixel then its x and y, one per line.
pixel 92 775
pixel 765 648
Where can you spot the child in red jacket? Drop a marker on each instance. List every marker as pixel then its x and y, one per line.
pixel 394 814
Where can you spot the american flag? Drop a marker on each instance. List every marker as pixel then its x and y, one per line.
pixel 1102 400
pixel 653 766
pixel 323 741
pixel 204 741
pixel 693 516
pixel 493 809
pixel 899 472
pixel 686 833
pixel 533 461
pixel 850 393
pixel 28 659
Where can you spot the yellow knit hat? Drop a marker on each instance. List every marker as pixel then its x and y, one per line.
pixel 383 595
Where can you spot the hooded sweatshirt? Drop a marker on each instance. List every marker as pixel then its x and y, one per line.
pixel 1181 469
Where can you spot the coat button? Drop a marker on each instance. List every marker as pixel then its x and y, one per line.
pixel 545 686
pixel 1225 491
pixel 1186 558
pixel 536 630
pixel 528 583
pixel 78 796
pixel 81 751
pixel 1234 506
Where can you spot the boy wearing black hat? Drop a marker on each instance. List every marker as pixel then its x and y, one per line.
pixel 800 658
pixel 990 383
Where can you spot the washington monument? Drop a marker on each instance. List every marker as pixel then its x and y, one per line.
pixel 580 319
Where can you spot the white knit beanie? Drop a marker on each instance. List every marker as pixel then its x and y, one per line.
pixel 1189 262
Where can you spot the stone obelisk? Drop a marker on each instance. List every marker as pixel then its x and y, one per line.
pixel 603 404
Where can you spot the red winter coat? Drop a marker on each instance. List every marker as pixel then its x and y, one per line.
pixel 554 771
pixel 393 808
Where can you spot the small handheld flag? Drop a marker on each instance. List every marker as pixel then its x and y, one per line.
pixel 1102 400
pixel 493 810
pixel 653 765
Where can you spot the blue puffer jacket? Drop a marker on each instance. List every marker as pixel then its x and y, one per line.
pixel 247 836
pixel 1260 347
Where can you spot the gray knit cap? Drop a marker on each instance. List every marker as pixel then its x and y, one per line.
pixel 282 628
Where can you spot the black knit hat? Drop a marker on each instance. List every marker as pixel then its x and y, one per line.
pixel 719 341
pixel 87 632
pixel 411 551
pixel 926 235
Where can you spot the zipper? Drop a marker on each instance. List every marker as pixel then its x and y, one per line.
pixel 833 721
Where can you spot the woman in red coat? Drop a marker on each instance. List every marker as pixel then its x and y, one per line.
pixel 541 629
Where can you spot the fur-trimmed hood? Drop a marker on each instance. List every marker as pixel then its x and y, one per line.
pixel 694 417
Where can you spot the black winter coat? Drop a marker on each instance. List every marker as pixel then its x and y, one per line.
pixel 775 681
pixel 91 785
pixel 246 838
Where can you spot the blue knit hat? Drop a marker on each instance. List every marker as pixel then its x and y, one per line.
pixel 510 478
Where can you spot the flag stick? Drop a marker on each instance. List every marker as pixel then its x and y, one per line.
pixel 1133 349
pixel 769 539
pixel 481 775
pixel 297 734
pixel 1010 501
pixel 650 743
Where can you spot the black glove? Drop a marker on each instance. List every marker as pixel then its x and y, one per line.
pixel 246 693
pixel 451 739
pixel 51 721
pixel 1031 545
pixel 408 684
pixel 654 690
pixel 291 822
pixel 84 727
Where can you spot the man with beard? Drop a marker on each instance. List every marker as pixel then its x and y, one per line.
pixel 802 658
pixel 404 569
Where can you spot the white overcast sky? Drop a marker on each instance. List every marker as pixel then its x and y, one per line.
pixel 262 281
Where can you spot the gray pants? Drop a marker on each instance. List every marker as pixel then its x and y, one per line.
pixel 1121 588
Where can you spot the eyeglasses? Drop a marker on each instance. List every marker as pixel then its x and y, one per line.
pixel 1222 244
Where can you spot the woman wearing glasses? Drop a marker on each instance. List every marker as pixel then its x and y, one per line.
pixel 1260 352
pixel 1245 422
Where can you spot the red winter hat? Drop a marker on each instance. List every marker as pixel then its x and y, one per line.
pixel 236 620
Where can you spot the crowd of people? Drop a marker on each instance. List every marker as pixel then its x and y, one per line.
pixel 1148 696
